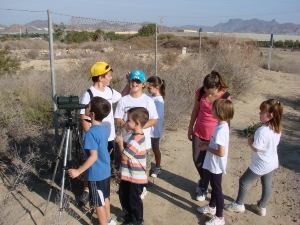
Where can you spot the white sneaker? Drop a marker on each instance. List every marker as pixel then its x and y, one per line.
pixel 201 195
pixel 199 184
pixel 233 207
pixel 144 193
pixel 156 172
pixel 216 221
pixel 260 211
pixel 207 210
pixel 111 222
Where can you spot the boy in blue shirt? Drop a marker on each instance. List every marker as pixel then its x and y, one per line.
pixel 97 164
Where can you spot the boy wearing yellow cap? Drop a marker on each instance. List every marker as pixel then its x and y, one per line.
pixel 101 75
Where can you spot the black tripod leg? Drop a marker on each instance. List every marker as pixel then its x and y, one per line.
pixel 70 144
pixel 56 165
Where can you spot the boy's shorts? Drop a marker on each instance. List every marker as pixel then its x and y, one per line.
pixel 99 191
pixel 155 143
pixel 148 159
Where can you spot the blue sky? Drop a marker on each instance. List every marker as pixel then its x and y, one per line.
pixel 167 12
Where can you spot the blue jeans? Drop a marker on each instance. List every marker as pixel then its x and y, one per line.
pixel 247 178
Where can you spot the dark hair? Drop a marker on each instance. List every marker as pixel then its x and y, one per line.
pixel 224 109
pixel 275 108
pixel 101 107
pixel 96 78
pixel 214 80
pixel 139 114
pixel 157 81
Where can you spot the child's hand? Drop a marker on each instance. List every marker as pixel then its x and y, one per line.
pixel 127 75
pixel 119 139
pixel 73 173
pixel 250 141
pixel 202 145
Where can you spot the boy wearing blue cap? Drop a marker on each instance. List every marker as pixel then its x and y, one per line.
pixel 136 98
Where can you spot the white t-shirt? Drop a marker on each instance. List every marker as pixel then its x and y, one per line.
pixel 127 102
pixel 216 164
pixel 265 161
pixel 157 129
pixel 110 95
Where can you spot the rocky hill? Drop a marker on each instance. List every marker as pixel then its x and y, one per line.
pixel 233 25
pixel 249 26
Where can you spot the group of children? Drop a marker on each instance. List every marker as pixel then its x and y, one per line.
pixel 141 118
pixel 209 132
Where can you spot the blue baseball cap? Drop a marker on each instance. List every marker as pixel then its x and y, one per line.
pixel 138 75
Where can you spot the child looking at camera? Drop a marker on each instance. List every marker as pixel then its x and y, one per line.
pixel 133 166
pixel 136 98
pixel 97 164
pixel 216 160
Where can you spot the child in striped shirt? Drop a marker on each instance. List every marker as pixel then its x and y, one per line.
pixel 133 166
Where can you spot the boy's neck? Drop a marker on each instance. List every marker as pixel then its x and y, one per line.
pixel 95 122
pixel 99 86
pixel 138 130
pixel 136 95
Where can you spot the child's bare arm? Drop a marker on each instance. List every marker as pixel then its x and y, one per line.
pixel 73 173
pixel 150 123
pixel 119 141
pixel 250 143
pixel 219 152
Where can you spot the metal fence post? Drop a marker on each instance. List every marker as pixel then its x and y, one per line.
pixel 156 49
pixel 270 52
pixel 52 73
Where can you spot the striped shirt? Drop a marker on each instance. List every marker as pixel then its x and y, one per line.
pixel 134 169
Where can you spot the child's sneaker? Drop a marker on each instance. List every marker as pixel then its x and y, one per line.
pixel 233 207
pixel 260 211
pixel 156 172
pixel 201 195
pixel 216 221
pixel 199 185
pixel 111 222
pixel 207 210
pixel 143 195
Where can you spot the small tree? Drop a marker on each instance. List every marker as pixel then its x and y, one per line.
pixel 59 30
pixel 147 30
pixel 8 64
pixel 98 35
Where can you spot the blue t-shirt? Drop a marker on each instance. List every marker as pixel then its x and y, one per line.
pixel 96 139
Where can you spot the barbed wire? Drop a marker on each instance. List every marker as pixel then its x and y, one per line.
pixel 24 10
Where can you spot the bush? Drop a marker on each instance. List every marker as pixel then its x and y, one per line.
pixel 147 30
pixel 33 54
pixel 8 64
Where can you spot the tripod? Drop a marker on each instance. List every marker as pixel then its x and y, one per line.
pixel 66 142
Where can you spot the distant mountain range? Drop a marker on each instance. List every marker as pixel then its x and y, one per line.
pixel 233 25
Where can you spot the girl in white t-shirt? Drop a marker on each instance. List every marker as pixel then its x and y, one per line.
pixel 157 90
pixel 264 157
pixel 216 159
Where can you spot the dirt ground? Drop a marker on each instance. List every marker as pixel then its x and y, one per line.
pixel 171 197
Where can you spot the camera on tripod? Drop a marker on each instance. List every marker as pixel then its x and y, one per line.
pixel 71 102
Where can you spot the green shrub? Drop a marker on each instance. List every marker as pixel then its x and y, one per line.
pixel 250 130
pixel 8 64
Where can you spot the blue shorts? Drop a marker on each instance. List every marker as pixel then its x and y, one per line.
pixel 99 191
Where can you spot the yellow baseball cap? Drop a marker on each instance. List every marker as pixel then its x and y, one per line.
pixel 99 68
